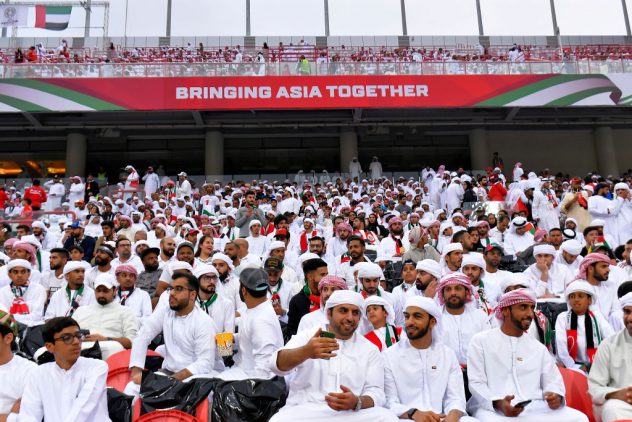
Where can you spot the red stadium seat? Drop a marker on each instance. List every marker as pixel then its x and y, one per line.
pixel 118 373
pixel 172 415
pixel 121 359
pixel 577 392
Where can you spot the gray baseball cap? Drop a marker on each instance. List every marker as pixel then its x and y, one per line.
pixel 254 279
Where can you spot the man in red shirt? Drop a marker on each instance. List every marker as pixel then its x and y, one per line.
pixel 497 192
pixel 3 198
pixel 36 194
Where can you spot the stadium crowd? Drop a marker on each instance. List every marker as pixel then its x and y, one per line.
pixel 448 297
pixel 191 53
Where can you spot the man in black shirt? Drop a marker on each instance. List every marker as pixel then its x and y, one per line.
pixel 307 300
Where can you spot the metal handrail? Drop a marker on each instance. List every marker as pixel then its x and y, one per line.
pixel 153 69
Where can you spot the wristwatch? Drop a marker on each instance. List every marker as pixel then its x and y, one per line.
pixel 411 413
pixel 358 404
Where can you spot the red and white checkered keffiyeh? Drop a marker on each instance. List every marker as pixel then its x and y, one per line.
pixel 591 258
pixel 332 280
pixel 453 279
pixel 513 298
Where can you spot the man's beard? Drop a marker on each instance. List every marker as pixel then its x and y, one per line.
pixel 168 252
pixel 223 276
pixel 101 262
pixel 151 268
pixel 454 305
pixel 518 323
pixel 179 306
pixel 397 232
pixel 102 301
pixel 420 285
pixel 421 333
pixel 208 290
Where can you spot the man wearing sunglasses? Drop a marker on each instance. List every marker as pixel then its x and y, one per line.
pixel 70 389
pixel 189 334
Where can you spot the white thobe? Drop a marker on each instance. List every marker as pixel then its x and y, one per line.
pixel 55 195
pixel 93 273
pixel 607 210
pixel 258 338
pixel 152 183
pixel 336 246
pixel 561 341
pixel 399 293
pixel 230 290
pixel 134 261
pixel 624 222
pixel 545 211
pixel 78 394
pixel 499 365
pixel 222 312
pixel 14 375
pixel 425 379
pixel 573 268
pixel 556 282
pixel 492 284
pixel 285 292
pixel 497 236
pixel 611 371
pixel 184 189
pixel 607 302
pixel 388 248
pixel 357 365
pixel 355 169
pixel 454 196
pixel 59 304
pixel 139 302
pixel 189 341
pixel 257 245
pixel 35 298
pixel 456 331
pixel 515 243
pixel 76 193
pixel 376 169
pixel 313 320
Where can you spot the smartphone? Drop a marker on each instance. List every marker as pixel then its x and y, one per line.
pixel 522 404
pixel 327 334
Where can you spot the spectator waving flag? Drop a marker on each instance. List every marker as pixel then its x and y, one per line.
pixel 54 18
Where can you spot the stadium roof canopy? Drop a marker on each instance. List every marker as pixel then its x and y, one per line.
pixel 347 17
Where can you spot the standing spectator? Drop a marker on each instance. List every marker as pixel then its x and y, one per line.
pixel 250 211
pixel 36 194
pixel 92 188
pixel 152 181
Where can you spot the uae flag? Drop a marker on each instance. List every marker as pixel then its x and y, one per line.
pixel 55 18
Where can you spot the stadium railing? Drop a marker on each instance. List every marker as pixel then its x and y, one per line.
pixel 110 70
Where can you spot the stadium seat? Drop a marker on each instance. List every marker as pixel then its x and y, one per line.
pixel 118 372
pixel 121 359
pixel 577 392
pixel 201 411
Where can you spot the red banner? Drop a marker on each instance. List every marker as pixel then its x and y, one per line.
pixel 306 92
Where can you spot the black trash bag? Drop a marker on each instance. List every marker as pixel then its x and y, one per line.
pixel 248 400
pixel 31 340
pixel 93 352
pixel 153 363
pixel 160 392
pixel 119 406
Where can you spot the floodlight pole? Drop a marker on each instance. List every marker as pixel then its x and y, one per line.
pixel 326 18
pixel 626 17
pixel 168 32
pixel 247 18
pixel 87 5
pixel 403 9
pixel 4 30
pixel 479 16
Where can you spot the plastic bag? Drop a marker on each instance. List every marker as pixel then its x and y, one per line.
pixel 162 392
pixel 31 340
pixel 119 406
pixel 93 352
pixel 248 400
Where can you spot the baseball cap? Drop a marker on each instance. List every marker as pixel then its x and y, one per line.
pixel 273 263
pixel 8 321
pixel 254 279
pixel 106 280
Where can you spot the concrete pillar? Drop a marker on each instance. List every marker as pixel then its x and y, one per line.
pixel 479 151
pixel 214 153
pixel 76 148
pixel 606 154
pixel 348 149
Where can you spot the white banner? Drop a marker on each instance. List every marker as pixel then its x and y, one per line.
pixel 13 15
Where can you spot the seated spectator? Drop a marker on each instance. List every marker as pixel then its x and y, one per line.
pixel 22 298
pixel 113 325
